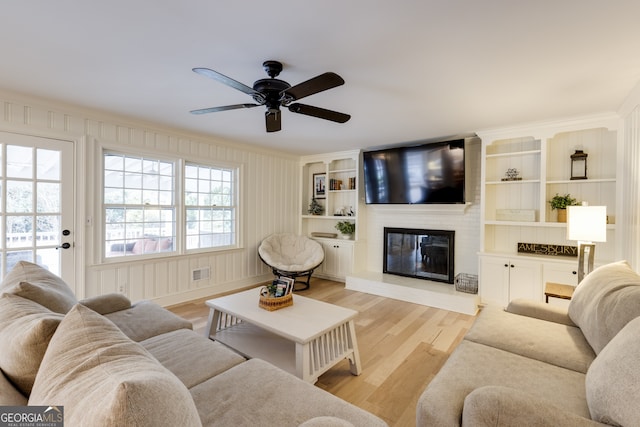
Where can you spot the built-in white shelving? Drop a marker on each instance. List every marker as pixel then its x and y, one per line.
pixel 541 154
pixel 341 201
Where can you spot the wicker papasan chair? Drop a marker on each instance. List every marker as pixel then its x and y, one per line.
pixel 292 256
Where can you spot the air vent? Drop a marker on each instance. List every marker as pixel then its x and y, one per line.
pixel 200 274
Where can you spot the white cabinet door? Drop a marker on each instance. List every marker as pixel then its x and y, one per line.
pixel 494 280
pixel 345 260
pixel 338 259
pixel 505 279
pixel 330 259
pixel 524 280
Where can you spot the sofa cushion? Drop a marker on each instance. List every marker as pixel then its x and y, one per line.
pixel 108 303
pixel 493 406
pixel 613 380
pixel 256 393
pixel 101 377
pixel 191 357
pixel 38 284
pixel 9 395
pixel 605 301
pixel 549 342
pixel 540 310
pixel 25 330
pixel 473 365
pixel 146 319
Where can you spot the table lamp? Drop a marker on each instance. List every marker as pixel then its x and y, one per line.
pixel 586 224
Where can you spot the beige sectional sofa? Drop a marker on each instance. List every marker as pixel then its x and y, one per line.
pixel 111 363
pixel 537 365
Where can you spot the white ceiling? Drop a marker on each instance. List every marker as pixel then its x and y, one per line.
pixel 414 69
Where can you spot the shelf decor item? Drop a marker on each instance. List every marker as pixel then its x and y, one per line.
pixel 323 234
pixel 319 185
pixel 512 174
pixel 346 229
pixel 561 203
pixel 547 249
pixel 315 208
pixel 270 303
pixel 522 215
pixel 277 294
pixel 579 165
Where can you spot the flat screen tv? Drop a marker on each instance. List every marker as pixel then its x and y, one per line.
pixel 430 173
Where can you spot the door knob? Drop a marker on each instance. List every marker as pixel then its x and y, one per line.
pixel 64 246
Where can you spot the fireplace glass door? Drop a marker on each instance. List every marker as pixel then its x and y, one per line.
pixel 424 254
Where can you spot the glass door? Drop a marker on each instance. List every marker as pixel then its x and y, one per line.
pixel 37 203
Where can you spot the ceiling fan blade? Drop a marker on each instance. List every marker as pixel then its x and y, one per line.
pixel 320 113
pixel 272 119
pixel 228 81
pixel 224 108
pixel 317 84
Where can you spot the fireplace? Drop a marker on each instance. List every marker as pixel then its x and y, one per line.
pixel 422 254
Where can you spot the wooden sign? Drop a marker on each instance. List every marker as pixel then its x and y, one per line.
pixel 549 250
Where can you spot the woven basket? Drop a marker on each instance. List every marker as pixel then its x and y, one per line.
pixel 466 283
pixel 273 303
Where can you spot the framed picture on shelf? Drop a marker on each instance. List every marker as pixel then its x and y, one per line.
pixel 319 185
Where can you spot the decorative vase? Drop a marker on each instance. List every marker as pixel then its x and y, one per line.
pixel 345 236
pixel 562 215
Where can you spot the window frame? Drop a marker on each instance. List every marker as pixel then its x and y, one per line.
pixel 235 171
pixel 179 192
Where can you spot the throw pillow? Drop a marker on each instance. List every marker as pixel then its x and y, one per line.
pixel 613 379
pixel 604 302
pixel 103 378
pixel 25 330
pixel 38 284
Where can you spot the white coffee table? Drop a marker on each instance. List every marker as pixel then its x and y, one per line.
pixel 305 339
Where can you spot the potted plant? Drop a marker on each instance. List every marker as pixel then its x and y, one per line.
pixel 315 208
pixel 346 229
pixel 560 203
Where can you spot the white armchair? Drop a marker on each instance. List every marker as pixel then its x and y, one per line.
pixel 292 256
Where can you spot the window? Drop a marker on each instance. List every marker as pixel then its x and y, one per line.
pixel 144 216
pixel 210 207
pixel 139 205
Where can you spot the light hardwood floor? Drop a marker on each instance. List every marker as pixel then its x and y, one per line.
pixel 402 346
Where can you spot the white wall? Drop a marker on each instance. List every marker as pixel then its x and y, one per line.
pixel 269 197
pixel 630 183
pixel 465 222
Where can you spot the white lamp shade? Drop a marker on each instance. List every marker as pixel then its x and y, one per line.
pixel 587 223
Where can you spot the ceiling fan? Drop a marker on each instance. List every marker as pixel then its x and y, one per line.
pixel 274 93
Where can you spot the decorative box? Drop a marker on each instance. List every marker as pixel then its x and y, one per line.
pixel 525 215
